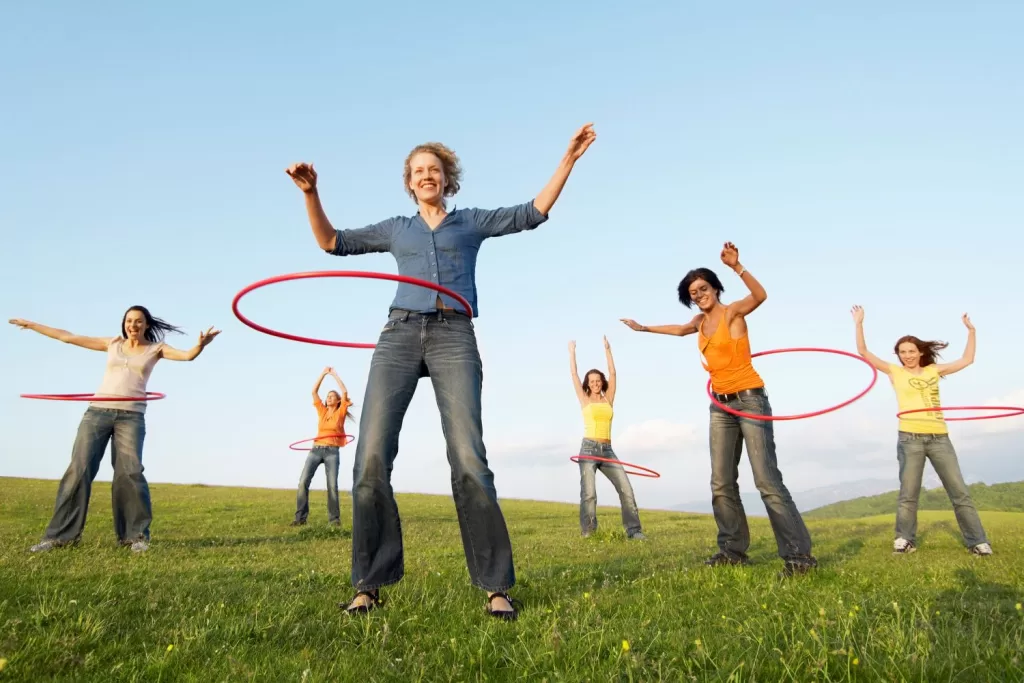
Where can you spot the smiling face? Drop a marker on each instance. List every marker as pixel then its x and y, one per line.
pixel 426 178
pixel 909 354
pixel 333 399
pixel 703 294
pixel 595 383
pixel 134 326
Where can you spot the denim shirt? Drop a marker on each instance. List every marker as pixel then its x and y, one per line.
pixel 445 256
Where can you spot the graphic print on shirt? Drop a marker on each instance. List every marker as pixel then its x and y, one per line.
pixel 929 391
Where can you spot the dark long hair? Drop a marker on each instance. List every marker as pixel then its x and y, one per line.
pixel 705 274
pixel 586 381
pixel 156 328
pixel 929 350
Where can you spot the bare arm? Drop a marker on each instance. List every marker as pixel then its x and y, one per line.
pixel 171 353
pixel 575 374
pixel 757 296
pixel 304 176
pixel 341 385
pixel 862 347
pixel 581 140
pixel 610 393
pixel 319 381
pixel 91 343
pixel 675 330
pixel 966 359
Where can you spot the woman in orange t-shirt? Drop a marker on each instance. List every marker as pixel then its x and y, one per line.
pixel 330 436
pixel 721 331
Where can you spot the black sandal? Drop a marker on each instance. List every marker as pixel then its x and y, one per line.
pixel 504 614
pixel 375 601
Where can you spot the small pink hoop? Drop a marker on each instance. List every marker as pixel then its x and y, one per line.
pixel 150 396
pixel 1016 410
pixel 350 438
pixel 643 473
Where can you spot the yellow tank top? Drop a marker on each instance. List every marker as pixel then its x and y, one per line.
pixel 727 360
pixel 918 391
pixel 597 421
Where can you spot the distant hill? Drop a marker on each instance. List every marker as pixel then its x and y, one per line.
pixel 805 500
pixel 1007 497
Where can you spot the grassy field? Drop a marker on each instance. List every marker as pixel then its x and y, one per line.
pixel 230 592
pixel 1007 497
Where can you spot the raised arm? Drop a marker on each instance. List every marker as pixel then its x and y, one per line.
pixel 91 343
pixel 574 373
pixel 862 347
pixel 581 140
pixel 368 240
pixel 674 330
pixel 610 393
pixel 757 296
pixel 967 358
pixel 319 381
pixel 171 353
pixel 341 385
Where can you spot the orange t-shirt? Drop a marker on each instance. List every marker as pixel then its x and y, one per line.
pixel 728 360
pixel 331 425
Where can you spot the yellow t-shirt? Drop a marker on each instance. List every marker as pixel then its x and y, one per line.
pixel 597 421
pixel 918 391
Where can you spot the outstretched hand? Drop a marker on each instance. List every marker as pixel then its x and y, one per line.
pixel 858 314
pixel 207 337
pixel 23 324
pixel 606 344
pixel 581 140
pixel 572 346
pixel 304 176
pixel 730 255
pixel 632 324
pixel 967 322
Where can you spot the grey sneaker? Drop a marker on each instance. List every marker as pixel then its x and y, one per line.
pixel 140 546
pixel 637 536
pixel 982 549
pixel 902 546
pixel 44 545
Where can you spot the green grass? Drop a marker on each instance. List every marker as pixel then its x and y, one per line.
pixel 1007 497
pixel 230 592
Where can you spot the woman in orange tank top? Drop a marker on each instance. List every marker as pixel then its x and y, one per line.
pixel 721 331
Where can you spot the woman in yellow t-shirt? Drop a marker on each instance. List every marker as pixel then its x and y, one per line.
pixel 924 435
pixel 596 394
pixel 330 436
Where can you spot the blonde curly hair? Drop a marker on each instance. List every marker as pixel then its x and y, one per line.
pixel 449 165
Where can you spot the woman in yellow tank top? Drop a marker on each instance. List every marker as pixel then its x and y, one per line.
pixel 596 394
pixel 924 435
pixel 721 331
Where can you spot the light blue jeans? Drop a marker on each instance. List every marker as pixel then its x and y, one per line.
pixel 728 433
pixel 442 347
pixel 911 451
pixel 133 512
pixel 328 456
pixel 588 487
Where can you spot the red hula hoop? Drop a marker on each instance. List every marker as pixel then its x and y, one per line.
pixel 737 413
pixel 150 396
pixel 1016 410
pixel 643 473
pixel 335 273
pixel 350 438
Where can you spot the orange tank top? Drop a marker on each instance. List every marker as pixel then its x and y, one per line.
pixel 727 360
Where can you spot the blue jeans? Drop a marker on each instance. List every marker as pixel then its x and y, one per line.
pixel 133 511
pixel 328 456
pixel 588 487
pixel 728 433
pixel 442 347
pixel 911 451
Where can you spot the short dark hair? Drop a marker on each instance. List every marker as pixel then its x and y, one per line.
pixel 705 274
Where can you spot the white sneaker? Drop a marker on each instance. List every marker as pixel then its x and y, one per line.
pixel 982 549
pixel 44 545
pixel 140 546
pixel 903 546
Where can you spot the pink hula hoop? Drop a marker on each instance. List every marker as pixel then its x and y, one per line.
pixel 336 273
pixel 150 396
pixel 737 413
pixel 1014 412
pixel 642 473
pixel 350 438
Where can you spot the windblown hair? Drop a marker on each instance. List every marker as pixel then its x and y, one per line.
pixel 449 164
pixel 348 413
pixel 705 274
pixel 586 381
pixel 929 350
pixel 156 328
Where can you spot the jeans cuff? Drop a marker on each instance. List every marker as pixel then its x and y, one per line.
pixel 491 589
pixel 382 584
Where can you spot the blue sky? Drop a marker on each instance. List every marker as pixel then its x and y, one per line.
pixel 868 154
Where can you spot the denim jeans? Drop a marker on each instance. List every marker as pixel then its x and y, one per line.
pixel 588 487
pixel 328 456
pixel 728 433
pixel 133 511
pixel 442 347
pixel 911 451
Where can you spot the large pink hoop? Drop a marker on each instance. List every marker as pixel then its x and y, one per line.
pixel 336 273
pixel 150 396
